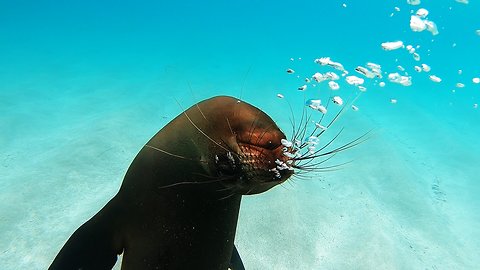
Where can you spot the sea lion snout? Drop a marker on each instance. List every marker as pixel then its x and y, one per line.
pixel 247 151
pixel 262 168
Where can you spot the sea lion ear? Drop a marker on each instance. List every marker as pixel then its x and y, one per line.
pixel 236 262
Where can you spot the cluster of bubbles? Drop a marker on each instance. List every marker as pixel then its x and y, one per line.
pixel 419 21
pixel 307 145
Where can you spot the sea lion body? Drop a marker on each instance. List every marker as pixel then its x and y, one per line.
pixel 178 204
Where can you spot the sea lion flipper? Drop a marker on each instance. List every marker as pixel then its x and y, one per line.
pixel 236 262
pixel 95 245
pixel 88 248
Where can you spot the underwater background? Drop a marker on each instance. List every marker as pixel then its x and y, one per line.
pixel 85 84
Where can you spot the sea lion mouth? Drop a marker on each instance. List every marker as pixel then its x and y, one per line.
pixel 267 164
pixel 255 168
pixel 253 164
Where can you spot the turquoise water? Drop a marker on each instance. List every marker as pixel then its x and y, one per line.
pixel 84 85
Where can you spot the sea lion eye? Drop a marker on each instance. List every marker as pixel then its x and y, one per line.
pixel 270 145
pixel 227 164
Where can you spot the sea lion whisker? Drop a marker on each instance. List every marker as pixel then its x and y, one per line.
pixel 303 168
pixel 219 179
pixel 319 122
pixel 306 167
pixel 225 189
pixel 253 126
pixel 196 103
pixel 336 117
pixel 292 118
pixel 318 170
pixel 304 130
pixel 342 110
pixel 331 141
pixel 250 190
pixel 292 182
pixel 201 131
pixel 235 135
pixel 191 183
pixel 344 147
pixel 321 169
pixel 289 182
pixel 228 196
pixel 263 134
pixel 297 132
pixel 174 155
pixel 200 110
pixel 292 124
pixel 244 81
pixel 230 127
pixel 307 155
pixel 222 178
pixel 283 185
pixel 327 105
pixel 300 174
pixel 301 177
pixel 231 150
pixel 307 163
pixel 350 144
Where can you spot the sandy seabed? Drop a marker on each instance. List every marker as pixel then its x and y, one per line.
pixel 407 201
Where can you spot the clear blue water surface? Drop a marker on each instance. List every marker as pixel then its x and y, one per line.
pixel 83 85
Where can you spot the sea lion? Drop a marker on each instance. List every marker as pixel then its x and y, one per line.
pixel 178 205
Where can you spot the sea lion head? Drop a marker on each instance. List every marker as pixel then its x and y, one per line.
pixel 228 142
pixel 246 146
